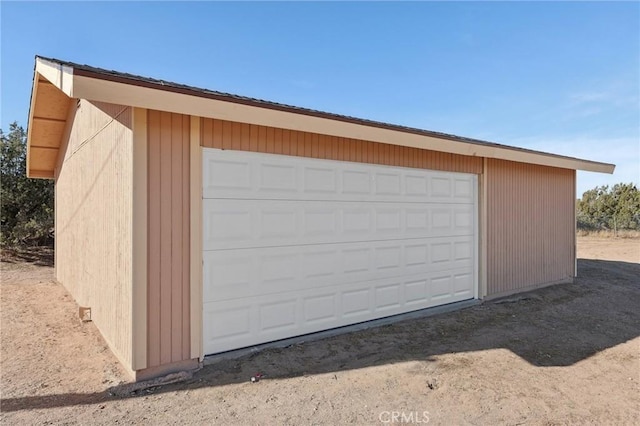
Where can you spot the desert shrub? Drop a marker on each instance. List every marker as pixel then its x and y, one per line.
pixel 609 208
pixel 26 205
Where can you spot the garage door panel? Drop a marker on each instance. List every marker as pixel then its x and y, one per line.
pixel 232 176
pixel 231 224
pixel 231 274
pixel 259 319
pixel 237 174
pixel 322 308
pixel 294 245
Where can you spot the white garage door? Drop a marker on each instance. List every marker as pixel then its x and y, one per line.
pixel 297 245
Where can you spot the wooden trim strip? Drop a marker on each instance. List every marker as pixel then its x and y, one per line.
pixel 139 239
pixel 195 155
pixel 52 120
pixel 54 148
pixel 483 231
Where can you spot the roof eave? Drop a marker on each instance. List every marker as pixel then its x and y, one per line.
pixel 44 132
pixel 95 84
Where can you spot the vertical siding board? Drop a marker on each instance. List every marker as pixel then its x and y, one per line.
pixel 203 132
pixel 332 148
pixel 353 150
pixel 207 132
pixel 423 159
pixel 153 260
pixel 270 144
pixel 322 146
pixel 253 137
pixel 186 240
pixel 201 140
pixel 277 136
pixel 293 142
pixel 227 135
pixel 286 142
pixel 236 136
pixel 216 140
pixel 315 145
pixel 299 144
pixel 245 131
pixel 346 149
pixel 165 237
pixel 176 236
pixel 262 139
pixel 308 148
pixel 365 151
pixel 405 155
pixel 329 150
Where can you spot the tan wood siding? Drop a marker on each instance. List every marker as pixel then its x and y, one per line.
pixel 250 137
pixel 530 225
pixel 169 201
pixel 93 215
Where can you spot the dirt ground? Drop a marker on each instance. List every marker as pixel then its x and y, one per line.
pixel 567 354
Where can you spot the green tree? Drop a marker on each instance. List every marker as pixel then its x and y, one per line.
pixel 26 216
pixel 612 208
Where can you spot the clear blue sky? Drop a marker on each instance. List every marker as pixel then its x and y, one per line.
pixel 556 77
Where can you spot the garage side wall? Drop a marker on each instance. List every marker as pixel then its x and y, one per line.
pixel 530 226
pixel 250 137
pixel 93 217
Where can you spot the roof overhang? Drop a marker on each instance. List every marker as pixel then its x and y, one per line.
pixel 50 100
pixel 83 82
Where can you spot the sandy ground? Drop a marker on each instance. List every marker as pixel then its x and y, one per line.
pixel 567 354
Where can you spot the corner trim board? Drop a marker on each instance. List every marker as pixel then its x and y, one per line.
pixel 139 239
pixel 195 167
pixel 483 230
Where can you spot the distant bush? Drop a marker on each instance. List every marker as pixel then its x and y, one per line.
pixel 605 233
pixel 605 208
pixel 26 204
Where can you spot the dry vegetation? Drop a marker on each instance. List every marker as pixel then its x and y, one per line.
pixel 565 354
pixel 623 233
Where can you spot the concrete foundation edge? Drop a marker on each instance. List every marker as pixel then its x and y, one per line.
pixel 527 289
pixel 237 353
pixel 164 369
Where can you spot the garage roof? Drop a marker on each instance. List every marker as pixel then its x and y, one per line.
pixel 56 83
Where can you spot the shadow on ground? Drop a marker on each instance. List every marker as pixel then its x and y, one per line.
pixel 554 326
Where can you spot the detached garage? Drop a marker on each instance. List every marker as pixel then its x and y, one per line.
pixel 195 222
